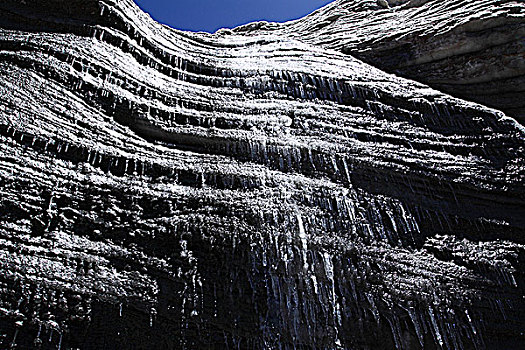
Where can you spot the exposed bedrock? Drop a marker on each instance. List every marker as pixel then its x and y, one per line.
pixel 470 49
pixel 171 190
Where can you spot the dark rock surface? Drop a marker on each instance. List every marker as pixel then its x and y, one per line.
pixel 171 190
pixel 472 49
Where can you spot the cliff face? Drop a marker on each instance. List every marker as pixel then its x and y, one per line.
pixel 470 49
pixel 162 189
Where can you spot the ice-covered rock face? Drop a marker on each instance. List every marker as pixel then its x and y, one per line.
pixel 469 49
pixel 162 189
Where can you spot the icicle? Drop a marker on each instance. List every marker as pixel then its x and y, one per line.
pixel 60 342
pixel 314 283
pixel 152 315
pixel 417 327
pixel 18 324
pixel 501 309
pixel 39 329
pixel 302 236
pixel 373 307
pixel 394 327
pixel 435 326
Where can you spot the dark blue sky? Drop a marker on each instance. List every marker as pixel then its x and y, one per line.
pixel 210 15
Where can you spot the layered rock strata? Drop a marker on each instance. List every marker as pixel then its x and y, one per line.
pixel 171 190
pixel 470 49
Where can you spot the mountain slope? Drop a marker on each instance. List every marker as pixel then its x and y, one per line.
pixel 162 189
pixel 470 49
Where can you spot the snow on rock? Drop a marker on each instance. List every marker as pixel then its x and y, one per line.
pixel 470 49
pixel 162 189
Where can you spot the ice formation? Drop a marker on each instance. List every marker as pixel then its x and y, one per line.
pixel 473 49
pixel 244 190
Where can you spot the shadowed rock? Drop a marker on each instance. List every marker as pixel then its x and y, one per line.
pixel 171 190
